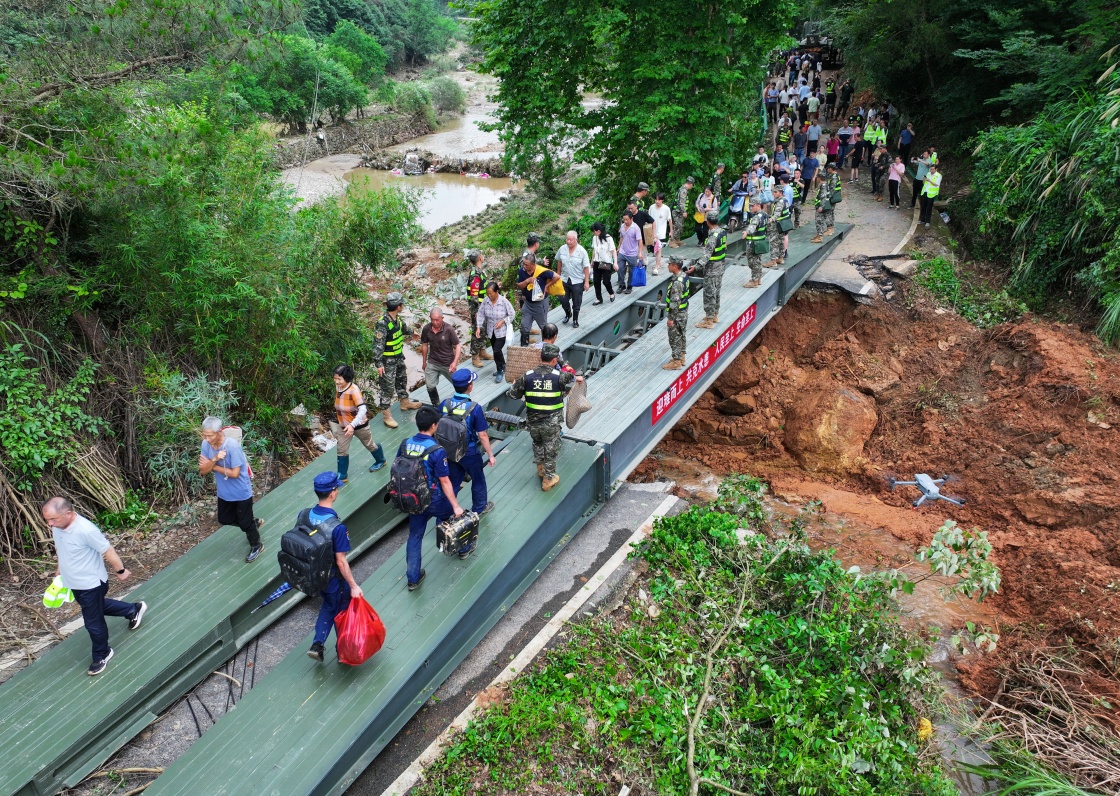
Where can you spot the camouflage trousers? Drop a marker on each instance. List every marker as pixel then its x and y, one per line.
pixel 755 263
pixel 678 225
pixel 825 220
pixel 394 382
pixel 713 284
pixel 478 342
pixel 677 332
pixel 796 214
pixel 777 242
pixel 545 433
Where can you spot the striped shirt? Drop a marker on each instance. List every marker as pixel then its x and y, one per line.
pixel 490 312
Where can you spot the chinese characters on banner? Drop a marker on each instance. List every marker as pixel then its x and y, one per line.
pixel 700 365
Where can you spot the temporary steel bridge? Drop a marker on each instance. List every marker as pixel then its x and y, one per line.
pixel 310 728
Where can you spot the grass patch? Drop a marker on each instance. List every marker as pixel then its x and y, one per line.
pixel 973 298
pixel 743 662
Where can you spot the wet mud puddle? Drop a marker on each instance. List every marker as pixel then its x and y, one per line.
pixel 445 199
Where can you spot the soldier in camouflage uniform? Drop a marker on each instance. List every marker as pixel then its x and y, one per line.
pixel 717 185
pixel 543 389
pixel 680 212
pixel 755 231
pixel 388 357
pixel 676 311
pixel 780 211
pixel 476 289
pixel 639 197
pixel 834 188
pixel 823 201
pixel 710 266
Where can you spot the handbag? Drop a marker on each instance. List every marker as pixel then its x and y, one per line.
pixel 638 276
pixel 825 205
pixel 785 224
pixel 836 197
pixel 760 246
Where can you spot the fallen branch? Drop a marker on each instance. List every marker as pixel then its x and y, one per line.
pixel 102 79
pixel 46 621
pixel 233 680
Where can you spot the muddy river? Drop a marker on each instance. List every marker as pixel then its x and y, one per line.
pixel 445 198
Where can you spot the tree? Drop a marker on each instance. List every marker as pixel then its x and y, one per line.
pixel 369 58
pixel 679 84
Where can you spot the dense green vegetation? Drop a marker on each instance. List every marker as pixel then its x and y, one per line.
pixel 741 660
pixel 678 86
pixel 1015 96
pixel 153 266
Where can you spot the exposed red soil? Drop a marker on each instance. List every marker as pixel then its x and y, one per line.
pixel 1023 416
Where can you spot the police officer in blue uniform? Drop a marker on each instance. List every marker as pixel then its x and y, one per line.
pixel 461 405
pixel 443 505
pixel 341 587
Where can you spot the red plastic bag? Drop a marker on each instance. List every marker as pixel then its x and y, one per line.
pixel 360 632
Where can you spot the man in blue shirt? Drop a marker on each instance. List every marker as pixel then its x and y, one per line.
pixel 477 437
pixel 443 505
pixel 222 456
pixel 808 171
pixel 336 596
pixel 905 140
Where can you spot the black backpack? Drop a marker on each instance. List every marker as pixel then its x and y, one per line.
pixel 451 433
pixel 408 480
pixel 307 553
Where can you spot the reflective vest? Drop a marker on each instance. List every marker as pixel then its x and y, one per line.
pixel 686 290
pixel 759 230
pixel 783 135
pixel 543 394
pixel 931 185
pixel 346 405
pixel 830 86
pixel 394 337
pixel 474 283
pixel 796 190
pixel 720 249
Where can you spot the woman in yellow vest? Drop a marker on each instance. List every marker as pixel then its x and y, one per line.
pixel 352 420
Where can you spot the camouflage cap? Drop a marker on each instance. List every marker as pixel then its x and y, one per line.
pixel 643 186
pixel 394 300
pixel 676 259
pixel 690 180
pixel 549 352
pixel 532 238
pixel 712 217
pixel 721 165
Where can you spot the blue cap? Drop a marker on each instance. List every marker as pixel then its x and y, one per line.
pixel 463 376
pixel 325 482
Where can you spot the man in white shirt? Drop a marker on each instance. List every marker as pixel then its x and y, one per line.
pixel 662 216
pixel 82 552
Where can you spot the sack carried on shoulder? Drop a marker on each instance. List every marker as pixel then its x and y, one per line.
pixel 761 246
pixel 836 197
pixel 638 276
pixel 360 632
pixel 826 205
pixel 785 224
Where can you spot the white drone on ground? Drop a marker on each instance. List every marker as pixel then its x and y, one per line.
pixel 930 489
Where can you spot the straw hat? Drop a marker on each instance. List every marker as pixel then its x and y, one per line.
pixel 577 404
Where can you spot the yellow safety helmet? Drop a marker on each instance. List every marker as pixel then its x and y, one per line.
pixel 56 594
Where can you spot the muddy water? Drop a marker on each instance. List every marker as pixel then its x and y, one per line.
pixel 446 198
pixel 459 137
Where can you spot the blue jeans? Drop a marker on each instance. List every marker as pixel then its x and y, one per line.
pixel 471 463
pixel 841 154
pixel 626 263
pixel 336 599
pixel 417 524
pixel 799 154
pixel 95 607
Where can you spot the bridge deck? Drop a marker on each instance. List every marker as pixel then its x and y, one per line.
pixel 311 727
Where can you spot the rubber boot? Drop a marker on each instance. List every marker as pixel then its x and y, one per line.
pixel 343 467
pixel 486 355
pixel 408 404
pixel 550 482
pixel 433 397
pixel 387 418
pixel 476 360
pixel 378 459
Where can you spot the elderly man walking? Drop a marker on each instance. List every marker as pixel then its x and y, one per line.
pixel 440 351
pixel 82 552
pixel 574 267
pixel 222 456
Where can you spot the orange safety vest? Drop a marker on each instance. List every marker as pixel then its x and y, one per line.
pixel 346 405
